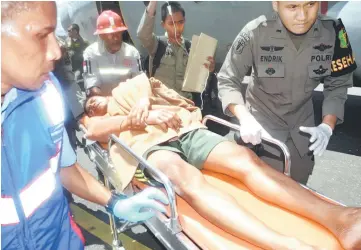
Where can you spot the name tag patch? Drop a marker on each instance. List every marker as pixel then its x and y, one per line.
pixel 277 59
pixel 127 62
pixel 321 58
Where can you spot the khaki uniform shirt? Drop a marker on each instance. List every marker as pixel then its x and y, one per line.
pixel 105 70
pixel 174 62
pixel 75 49
pixel 280 95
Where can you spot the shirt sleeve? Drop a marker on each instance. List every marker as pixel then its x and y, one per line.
pixel 335 95
pixel 238 62
pixel 91 72
pixel 67 154
pixel 145 33
pixel 342 67
pixel 136 65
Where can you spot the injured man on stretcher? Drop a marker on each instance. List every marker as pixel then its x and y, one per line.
pixel 170 135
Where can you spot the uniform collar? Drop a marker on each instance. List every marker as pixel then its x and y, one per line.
pixel 102 50
pixel 15 97
pixel 166 35
pixel 280 30
pixel 12 99
pixel 8 98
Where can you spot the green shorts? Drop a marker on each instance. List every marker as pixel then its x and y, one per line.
pixel 194 146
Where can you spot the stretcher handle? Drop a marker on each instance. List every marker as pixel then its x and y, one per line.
pixel 82 128
pixel 175 226
pixel 281 145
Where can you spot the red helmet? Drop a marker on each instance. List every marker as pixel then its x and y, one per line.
pixel 109 22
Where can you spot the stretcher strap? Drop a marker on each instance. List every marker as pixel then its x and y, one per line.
pixel 143 177
pixel 139 175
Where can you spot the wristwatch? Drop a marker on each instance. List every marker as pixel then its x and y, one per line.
pixel 109 207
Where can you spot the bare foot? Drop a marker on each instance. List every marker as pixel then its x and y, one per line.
pixel 349 232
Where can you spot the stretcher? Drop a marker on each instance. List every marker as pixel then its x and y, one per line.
pixel 183 228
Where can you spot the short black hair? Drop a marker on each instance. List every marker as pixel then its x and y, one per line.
pixel 175 6
pixel 86 105
pixel 74 26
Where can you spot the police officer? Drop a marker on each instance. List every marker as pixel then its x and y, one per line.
pixel 37 160
pixel 173 62
pixel 290 54
pixel 109 60
pixel 75 47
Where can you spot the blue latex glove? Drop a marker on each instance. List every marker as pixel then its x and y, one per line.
pixel 320 136
pixel 130 209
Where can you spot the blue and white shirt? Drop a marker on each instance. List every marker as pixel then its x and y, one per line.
pixel 34 212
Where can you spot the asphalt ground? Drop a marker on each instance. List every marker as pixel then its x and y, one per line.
pixel 337 175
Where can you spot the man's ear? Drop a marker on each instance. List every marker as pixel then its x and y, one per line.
pixel 162 24
pixel 275 5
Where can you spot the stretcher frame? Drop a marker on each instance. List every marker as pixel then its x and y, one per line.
pixel 167 230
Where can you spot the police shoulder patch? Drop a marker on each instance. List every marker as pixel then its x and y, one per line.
pixel 241 41
pixel 343 60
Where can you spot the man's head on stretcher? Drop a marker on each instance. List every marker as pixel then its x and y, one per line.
pixel 96 106
pixel 164 107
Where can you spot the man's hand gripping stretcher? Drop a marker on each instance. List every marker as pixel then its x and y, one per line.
pixel 166 129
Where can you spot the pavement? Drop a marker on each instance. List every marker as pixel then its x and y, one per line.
pixel 337 175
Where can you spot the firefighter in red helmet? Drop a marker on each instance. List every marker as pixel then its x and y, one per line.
pixel 109 60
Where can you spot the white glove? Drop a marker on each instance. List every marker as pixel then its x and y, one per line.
pixel 251 131
pixel 320 136
pixel 129 209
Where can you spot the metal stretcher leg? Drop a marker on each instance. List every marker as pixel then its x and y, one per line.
pixel 167 230
pixel 116 242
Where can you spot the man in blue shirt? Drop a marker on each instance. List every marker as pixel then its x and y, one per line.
pixel 37 159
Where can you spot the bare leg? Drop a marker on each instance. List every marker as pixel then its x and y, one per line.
pixel 211 203
pixel 243 164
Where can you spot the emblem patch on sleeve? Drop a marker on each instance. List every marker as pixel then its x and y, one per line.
pixel 343 60
pixel 342 36
pixel 241 41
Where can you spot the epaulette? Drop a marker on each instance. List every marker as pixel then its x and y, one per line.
pixel 328 18
pixel 261 20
